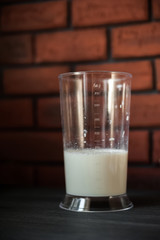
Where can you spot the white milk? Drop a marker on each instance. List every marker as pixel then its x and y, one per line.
pixel 95 172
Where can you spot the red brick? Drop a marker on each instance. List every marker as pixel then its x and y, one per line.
pixel 52 176
pixel 144 178
pixel 16 174
pixel 156 9
pixel 136 41
pixel 141 71
pixel 71 46
pixel 31 146
pixel 93 12
pixel 138 146
pixel 32 16
pixel 157 65
pixel 49 112
pixel 32 80
pixel 16 113
pixel 16 49
pixel 156 147
pixel 145 110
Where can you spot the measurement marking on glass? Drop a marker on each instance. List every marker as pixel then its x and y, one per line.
pixel 97 114
pixel 111 139
pixel 96 133
pixel 97 119
pixel 96 104
pixel 97 93
pixel 97 85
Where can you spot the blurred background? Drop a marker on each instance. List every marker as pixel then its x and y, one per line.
pixel 41 39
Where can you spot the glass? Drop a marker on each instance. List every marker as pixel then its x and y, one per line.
pixel 95 111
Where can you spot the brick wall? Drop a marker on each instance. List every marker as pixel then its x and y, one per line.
pixel 39 40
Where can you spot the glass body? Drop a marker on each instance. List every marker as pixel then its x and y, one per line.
pixel 95 111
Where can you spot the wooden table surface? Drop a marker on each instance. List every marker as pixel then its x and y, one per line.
pixel 35 214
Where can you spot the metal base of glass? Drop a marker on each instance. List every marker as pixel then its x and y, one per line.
pixel 96 204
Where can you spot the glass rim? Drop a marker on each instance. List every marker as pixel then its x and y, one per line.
pixel 125 75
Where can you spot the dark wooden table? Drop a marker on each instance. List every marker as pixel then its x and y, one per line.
pixel 34 214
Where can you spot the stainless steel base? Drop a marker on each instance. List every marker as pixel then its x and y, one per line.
pixel 96 204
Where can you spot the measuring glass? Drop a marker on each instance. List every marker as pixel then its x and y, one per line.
pixel 95 111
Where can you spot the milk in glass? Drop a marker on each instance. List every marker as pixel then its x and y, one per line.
pixel 95 172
